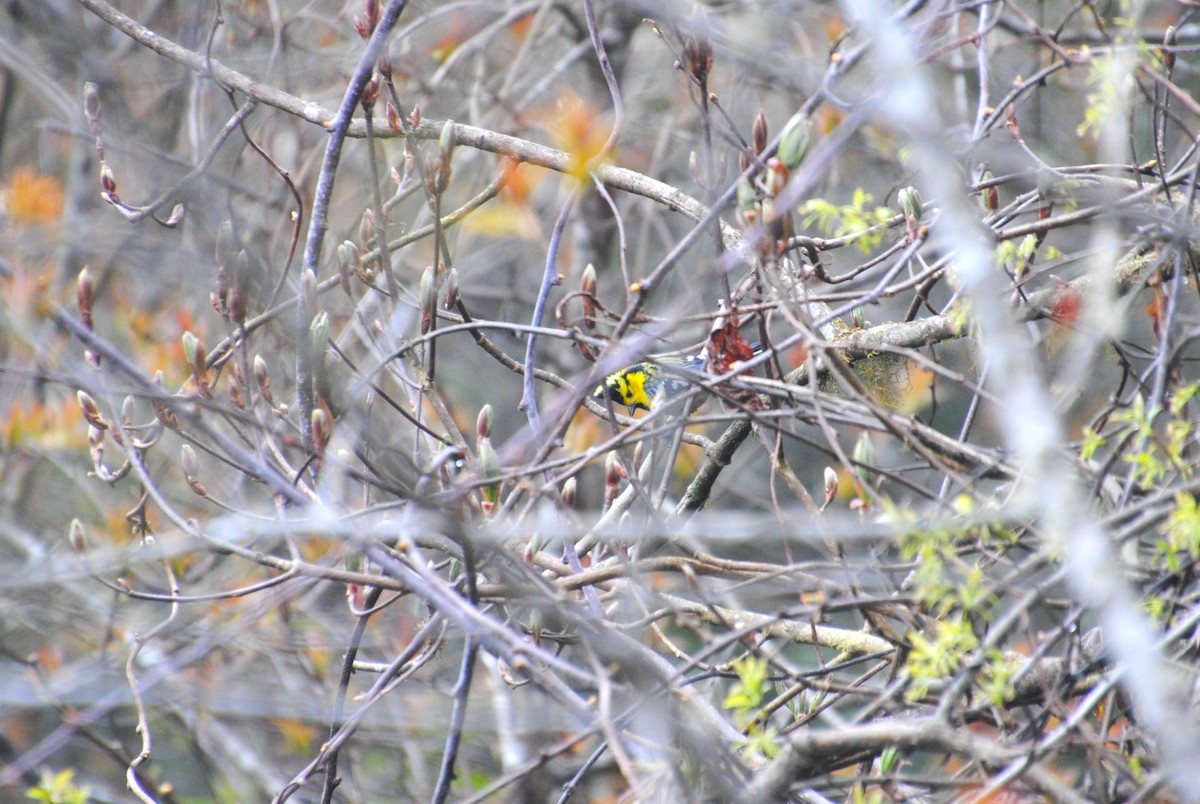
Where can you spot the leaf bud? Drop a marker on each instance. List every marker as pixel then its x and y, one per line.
pixel 85 294
pixel 347 263
pixel 189 346
pixel 831 485
pixel 262 378
pixel 308 291
pixel 318 332
pixel 776 177
pixel 483 422
pixel 759 136
pixel 108 182
pixel 370 94
pixel 91 411
pixel 796 140
pixel 366 229
pixel 77 536
pixel 320 429
pixel 747 197
pixel 187 459
pixel 446 140
pixel 911 204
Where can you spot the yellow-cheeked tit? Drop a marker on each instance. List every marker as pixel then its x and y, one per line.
pixel 638 386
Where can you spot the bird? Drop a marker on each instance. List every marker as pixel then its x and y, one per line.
pixel 638 386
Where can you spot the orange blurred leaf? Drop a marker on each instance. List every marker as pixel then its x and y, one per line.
pixel 33 198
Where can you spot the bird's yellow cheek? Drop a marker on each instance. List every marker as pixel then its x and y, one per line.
pixel 637 389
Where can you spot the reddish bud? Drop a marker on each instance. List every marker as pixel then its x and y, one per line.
pixel 320 429
pixel 107 181
pixel 759 135
pixel 483 422
pixel 370 94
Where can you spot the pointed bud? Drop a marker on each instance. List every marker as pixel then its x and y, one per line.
pixel 588 285
pixel 366 228
pixel 759 137
pixel 489 466
pixel 107 181
pixel 347 263
pixel 911 204
pixel 84 296
pixel 262 379
pixel 176 217
pixel 385 65
pixel 127 410
pixel 189 346
pixel 796 140
pixel 446 140
pixel 612 478
pixel 320 429
pixel 77 536
pixel 370 94
pixel 415 117
pixel 393 117
pixel 483 422
pixel 831 485
pixel 187 458
pixel 568 492
pixel 989 194
pixel 308 292
pixel 91 411
pixel 318 332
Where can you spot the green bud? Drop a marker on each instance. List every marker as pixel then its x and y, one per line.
pixel 864 456
pixel 795 141
pixel 911 204
pixel 190 342
pixel 318 332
